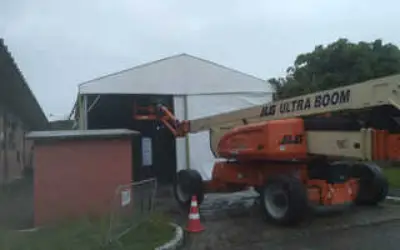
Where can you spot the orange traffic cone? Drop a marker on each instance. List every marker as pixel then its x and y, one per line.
pixel 194 224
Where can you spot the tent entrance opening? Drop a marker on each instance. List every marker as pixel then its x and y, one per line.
pixel 157 149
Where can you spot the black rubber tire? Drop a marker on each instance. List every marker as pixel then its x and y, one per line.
pixel 373 185
pixel 297 201
pixel 258 190
pixel 191 183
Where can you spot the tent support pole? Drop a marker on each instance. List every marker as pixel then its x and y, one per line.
pixel 80 112
pixel 82 105
pixel 85 107
pixel 185 104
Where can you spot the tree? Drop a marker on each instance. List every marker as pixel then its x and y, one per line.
pixel 338 64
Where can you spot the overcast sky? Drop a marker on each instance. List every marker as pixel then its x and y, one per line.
pixel 59 44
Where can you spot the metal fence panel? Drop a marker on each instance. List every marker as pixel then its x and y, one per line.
pixel 133 203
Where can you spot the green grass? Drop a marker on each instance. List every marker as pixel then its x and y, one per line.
pixel 393 175
pixel 157 230
pixel 16 211
pixel 89 235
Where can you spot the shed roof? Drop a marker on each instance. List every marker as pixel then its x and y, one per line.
pixel 16 95
pixel 181 74
pixel 80 134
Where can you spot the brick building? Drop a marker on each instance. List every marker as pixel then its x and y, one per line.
pixel 19 112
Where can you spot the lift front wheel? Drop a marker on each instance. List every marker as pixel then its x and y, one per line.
pixel 188 182
pixel 284 200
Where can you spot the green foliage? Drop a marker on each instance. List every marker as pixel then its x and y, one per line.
pixel 338 64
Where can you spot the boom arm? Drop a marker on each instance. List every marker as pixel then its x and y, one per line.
pixel 178 128
pixel 372 93
pixel 370 97
pixel 356 97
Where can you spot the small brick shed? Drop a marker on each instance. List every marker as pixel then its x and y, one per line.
pixel 76 172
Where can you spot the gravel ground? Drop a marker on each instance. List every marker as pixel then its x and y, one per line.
pixel 384 236
pixel 394 192
pixel 235 222
pixel 251 231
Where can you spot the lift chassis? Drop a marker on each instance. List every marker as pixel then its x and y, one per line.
pixel 319 149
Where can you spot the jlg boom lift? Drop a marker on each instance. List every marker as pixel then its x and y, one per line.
pixel 319 149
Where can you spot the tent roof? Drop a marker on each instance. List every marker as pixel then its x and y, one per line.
pixel 176 75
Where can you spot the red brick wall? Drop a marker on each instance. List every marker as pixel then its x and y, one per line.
pixel 78 178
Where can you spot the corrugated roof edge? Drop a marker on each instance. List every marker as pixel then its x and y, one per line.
pixel 80 134
pixel 41 113
pixel 168 58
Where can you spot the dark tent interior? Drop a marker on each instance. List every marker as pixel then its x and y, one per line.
pixel 116 111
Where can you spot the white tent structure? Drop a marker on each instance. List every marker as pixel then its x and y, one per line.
pixel 199 88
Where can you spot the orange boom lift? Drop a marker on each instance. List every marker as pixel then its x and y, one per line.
pixel 319 149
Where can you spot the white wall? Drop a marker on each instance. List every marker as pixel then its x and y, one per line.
pixel 201 157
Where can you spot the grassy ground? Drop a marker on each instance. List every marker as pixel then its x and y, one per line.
pixel 16 212
pixel 393 175
pixel 89 235
pixel 148 235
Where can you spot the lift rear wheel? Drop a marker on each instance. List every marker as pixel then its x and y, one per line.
pixel 188 182
pixel 373 185
pixel 284 200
